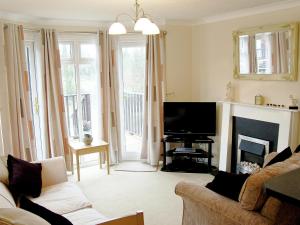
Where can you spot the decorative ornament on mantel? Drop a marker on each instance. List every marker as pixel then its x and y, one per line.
pixel 259 100
pixel 229 92
pixel 142 23
pixel 293 102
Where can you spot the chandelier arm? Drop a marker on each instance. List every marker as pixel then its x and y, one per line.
pixel 148 16
pixel 124 14
pixel 142 11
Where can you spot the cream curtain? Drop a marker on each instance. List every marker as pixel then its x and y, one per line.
pixel 153 99
pixel 16 118
pixel 109 95
pixel 54 112
pixel 252 54
pixel 280 50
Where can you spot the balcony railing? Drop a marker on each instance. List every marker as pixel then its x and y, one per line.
pixel 72 114
pixel 133 112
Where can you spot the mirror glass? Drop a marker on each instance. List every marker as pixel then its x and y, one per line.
pixel 266 53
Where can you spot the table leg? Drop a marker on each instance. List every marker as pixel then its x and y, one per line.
pixel 72 163
pixel 107 159
pixel 100 159
pixel 78 167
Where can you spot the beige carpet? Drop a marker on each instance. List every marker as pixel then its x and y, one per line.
pixel 122 193
pixel 134 166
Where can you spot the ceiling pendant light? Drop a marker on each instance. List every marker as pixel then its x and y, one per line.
pixel 141 23
pixel 117 28
pixel 150 29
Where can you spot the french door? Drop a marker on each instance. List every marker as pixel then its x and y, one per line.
pixel 31 51
pixel 132 60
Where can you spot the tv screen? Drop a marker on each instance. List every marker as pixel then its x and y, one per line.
pixel 197 118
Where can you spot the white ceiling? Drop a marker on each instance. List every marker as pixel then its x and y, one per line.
pixel 189 11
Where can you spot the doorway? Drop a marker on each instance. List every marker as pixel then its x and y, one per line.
pixel 132 62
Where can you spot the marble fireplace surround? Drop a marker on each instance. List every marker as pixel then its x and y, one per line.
pixel 288 121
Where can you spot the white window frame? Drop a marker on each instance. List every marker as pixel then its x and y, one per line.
pixel 75 40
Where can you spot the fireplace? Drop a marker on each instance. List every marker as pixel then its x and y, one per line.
pixel 278 126
pixel 250 154
pixel 251 141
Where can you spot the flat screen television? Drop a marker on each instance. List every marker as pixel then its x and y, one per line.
pixel 184 118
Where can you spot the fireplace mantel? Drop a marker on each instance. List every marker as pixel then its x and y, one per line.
pixel 287 119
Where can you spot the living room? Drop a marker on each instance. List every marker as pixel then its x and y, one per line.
pixel 196 63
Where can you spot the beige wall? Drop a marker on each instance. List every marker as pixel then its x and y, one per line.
pixel 212 65
pixel 213 61
pixel 179 62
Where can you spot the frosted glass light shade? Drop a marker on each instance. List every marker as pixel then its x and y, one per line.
pixel 151 29
pixel 117 28
pixel 141 23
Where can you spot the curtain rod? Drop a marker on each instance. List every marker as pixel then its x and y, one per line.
pixel 80 32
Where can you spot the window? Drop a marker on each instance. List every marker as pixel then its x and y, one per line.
pixel 80 78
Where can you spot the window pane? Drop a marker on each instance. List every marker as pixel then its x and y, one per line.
pixel 88 50
pixel 70 99
pixel 65 50
pixel 244 54
pixel 71 109
pixel 264 53
pixel 69 80
pixel 89 96
pixel 134 59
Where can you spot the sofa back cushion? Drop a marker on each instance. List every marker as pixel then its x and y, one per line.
pixel 3 170
pixel 6 198
pixel 16 216
pixel 252 195
pixel 24 177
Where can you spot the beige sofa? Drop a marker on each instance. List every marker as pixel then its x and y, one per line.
pixel 60 196
pixel 202 206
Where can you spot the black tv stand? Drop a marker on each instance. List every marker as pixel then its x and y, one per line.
pixel 184 159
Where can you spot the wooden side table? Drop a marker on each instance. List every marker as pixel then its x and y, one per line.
pixel 79 148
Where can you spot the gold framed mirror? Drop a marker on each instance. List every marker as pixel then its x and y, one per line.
pixel 266 52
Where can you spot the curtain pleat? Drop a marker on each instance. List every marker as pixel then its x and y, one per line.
pixel 109 95
pixel 16 116
pixel 252 54
pixel 54 112
pixel 280 48
pixel 153 99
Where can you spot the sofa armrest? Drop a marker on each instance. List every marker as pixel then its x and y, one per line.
pixel 203 206
pixel 269 157
pixel 53 171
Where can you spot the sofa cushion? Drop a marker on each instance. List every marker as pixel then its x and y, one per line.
pixel 24 177
pixel 6 198
pixel 3 170
pixel 16 216
pixel 271 208
pixel 85 217
pixel 62 198
pixel 252 195
pixel 46 214
pixel 228 184
pixel 281 156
